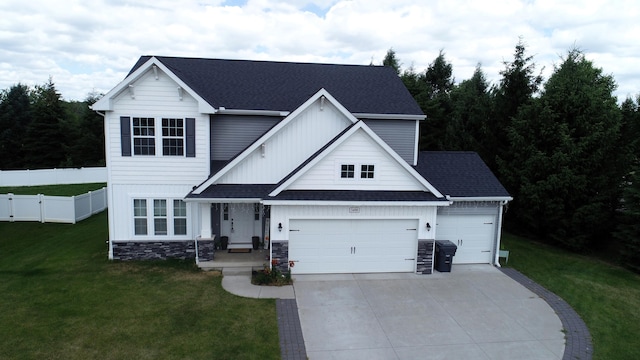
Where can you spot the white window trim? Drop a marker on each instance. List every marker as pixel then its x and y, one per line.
pixel 158 137
pixel 150 219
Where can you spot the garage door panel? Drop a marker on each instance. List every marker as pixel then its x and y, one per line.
pixel 473 234
pixel 347 246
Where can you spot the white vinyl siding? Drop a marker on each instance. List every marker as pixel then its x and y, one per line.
pixel 359 149
pixel 292 145
pixel 156 99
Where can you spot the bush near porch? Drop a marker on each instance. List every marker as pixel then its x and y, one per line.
pixel 62 299
pixel 607 297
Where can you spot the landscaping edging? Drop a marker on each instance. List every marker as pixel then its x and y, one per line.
pixel 578 343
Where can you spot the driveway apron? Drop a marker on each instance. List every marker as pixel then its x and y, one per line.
pixel 473 312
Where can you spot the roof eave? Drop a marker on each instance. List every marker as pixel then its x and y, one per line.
pixel 390 116
pixel 355 203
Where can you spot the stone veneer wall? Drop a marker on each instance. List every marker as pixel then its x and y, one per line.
pixel 280 252
pixel 154 250
pixel 205 250
pixel 425 257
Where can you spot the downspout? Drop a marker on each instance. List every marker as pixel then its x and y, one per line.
pixel 197 255
pixel 499 236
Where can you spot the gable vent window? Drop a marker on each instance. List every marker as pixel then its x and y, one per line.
pixel 172 137
pixel 144 142
pixel 347 171
pixel 366 171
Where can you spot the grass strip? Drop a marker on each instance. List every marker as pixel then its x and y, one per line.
pixel 607 297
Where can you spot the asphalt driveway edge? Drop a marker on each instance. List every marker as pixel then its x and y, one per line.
pixel 578 343
pixel 290 331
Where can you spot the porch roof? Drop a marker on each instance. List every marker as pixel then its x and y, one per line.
pixel 261 192
pixel 233 191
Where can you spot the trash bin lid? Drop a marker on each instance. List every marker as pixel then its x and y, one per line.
pixel 445 244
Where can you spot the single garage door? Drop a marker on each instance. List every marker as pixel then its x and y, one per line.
pixel 473 234
pixel 352 246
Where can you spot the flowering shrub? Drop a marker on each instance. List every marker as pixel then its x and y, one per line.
pixel 271 276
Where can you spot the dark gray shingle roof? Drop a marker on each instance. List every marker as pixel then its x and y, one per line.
pixel 459 174
pixel 283 86
pixel 356 195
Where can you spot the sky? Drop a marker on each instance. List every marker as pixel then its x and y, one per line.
pixel 88 46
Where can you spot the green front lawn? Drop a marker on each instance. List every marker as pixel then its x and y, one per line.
pixel 52 190
pixel 607 297
pixel 62 299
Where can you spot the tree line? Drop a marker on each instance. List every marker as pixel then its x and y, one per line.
pixel 40 130
pixel 564 148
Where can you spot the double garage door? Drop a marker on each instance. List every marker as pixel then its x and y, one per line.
pixel 352 246
pixel 473 234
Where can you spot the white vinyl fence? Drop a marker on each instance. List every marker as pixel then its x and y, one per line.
pixel 43 208
pixel 53 176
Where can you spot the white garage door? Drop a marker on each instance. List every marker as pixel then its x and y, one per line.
pixel 473 234
pixel 352 246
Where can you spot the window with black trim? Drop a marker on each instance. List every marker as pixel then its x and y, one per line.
pixel 347 171
pixel 172 137
pixel 144 141
pixel 225 211
pixel 366 171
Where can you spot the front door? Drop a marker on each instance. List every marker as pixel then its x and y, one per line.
pixel 240 225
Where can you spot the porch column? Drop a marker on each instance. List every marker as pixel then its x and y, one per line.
pixel 205 221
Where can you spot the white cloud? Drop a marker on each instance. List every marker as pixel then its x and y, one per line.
pixel 90 45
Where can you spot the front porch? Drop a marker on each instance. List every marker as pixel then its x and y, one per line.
pixel 222 259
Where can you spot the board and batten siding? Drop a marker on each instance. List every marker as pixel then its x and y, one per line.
pixel 231 134
pixel 358 149
pixel 400 135
pixel 283 213
pixel 289 147
pixel 156 98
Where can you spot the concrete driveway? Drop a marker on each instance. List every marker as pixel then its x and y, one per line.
pixel 474 312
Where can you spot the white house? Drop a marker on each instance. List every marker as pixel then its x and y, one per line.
pixel 318 161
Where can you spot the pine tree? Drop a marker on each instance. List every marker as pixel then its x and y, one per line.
pixel 15 117
pixel 45 139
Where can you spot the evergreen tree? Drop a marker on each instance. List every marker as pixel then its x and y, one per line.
pixel 435 101
pixel 517 87
pixel 87 149
pixel 628 233
pixel 564 147
pixel 468 127
pixel 45 139
pixel 15 116
pixel 391 61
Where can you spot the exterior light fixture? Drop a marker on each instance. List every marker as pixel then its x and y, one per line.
pixel 428 227
pixel 280 227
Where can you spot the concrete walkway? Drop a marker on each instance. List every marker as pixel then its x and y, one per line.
pixel 473 312
pixel 237 281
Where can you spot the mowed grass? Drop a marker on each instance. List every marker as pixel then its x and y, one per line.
pixel 52 190
pixel 607 297
pixel 60 298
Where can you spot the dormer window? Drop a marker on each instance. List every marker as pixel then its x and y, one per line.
pixel 347 171
pixel 366 171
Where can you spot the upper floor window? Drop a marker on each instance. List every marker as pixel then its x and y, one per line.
pixel 347 171
pixel 172 137
pixel 144 142
pixel 366 171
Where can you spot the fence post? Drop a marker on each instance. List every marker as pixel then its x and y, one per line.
pixel 41 203
pixel 11 218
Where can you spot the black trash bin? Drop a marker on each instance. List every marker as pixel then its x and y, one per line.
pixel 445 250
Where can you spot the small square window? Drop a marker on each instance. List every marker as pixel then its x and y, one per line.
pixel 347 171
pixel 366 172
